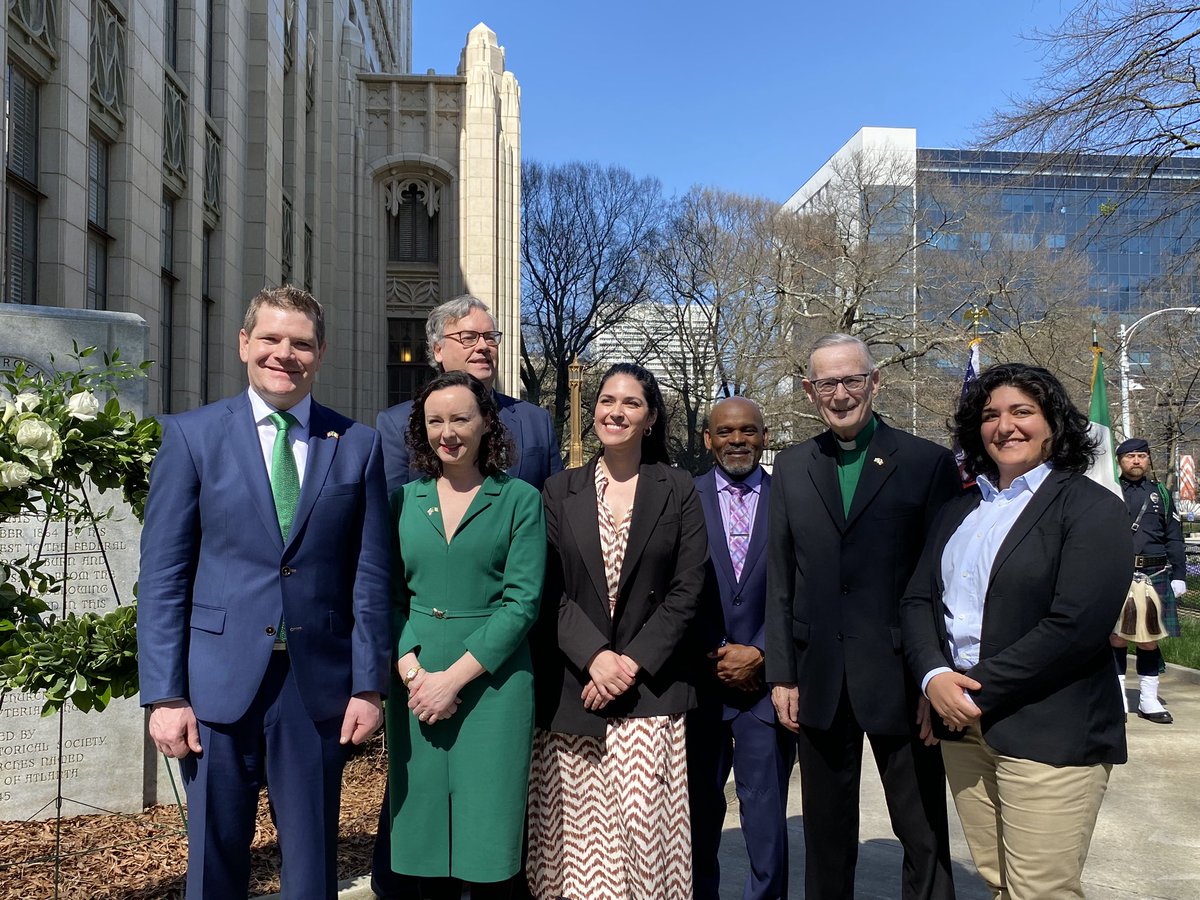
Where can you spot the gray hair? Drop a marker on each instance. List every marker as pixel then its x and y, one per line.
pixel 450 311
pixel 837 339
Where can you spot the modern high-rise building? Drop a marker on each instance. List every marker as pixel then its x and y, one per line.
pixel 1122 216
pixel 171 158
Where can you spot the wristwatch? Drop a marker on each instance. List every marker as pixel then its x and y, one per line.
pixel 412 673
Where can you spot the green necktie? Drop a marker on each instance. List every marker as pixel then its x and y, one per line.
pixel 285 485
pixel 285 481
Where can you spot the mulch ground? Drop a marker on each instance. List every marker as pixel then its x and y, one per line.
pixel 143 857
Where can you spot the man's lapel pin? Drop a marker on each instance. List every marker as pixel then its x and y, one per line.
pixel 878 461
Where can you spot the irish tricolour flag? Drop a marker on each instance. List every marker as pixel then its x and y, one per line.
pixel 1104 469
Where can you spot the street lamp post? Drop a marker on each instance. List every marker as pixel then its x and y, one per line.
pixel 575 446
pixel 1126 336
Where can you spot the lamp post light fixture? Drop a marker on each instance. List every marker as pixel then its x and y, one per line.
pixel 575 447
pixel 1126 334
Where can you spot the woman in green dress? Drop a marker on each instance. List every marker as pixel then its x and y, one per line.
pixel 470 560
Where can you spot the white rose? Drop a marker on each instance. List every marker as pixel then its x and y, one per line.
pixel 10 410
pixel 28 401
pixel 35 434
pixel 83 406
pixel 13 475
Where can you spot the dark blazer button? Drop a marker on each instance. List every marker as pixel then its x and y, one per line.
pixel 287 570
pixel 271 629
pixel 845 589
pixel 737 602
pixel 839 636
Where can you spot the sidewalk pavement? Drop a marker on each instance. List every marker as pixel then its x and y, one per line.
pixel 1147 840
pixel 1146 845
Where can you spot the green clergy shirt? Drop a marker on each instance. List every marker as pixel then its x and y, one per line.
pixel 850 464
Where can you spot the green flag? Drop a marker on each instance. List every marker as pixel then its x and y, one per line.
pixel 1104 469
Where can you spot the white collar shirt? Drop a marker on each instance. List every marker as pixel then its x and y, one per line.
pixel 297 434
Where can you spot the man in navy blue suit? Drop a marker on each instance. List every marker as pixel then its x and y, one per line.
pixel 461 336
pixel 263 612
pixel 734 725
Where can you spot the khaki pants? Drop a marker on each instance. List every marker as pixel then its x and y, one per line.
pixel 1028 824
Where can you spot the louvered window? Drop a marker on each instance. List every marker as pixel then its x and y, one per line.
pixel 412 231
pixel 21 133
pixel 97 260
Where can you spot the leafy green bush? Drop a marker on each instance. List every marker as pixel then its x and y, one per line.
pixel 56 437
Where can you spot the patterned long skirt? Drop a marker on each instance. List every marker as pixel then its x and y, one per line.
pixel 608 817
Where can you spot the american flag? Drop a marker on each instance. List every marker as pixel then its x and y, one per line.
pixel 971 373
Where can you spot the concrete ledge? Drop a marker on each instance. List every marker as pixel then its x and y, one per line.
pixel 1183 674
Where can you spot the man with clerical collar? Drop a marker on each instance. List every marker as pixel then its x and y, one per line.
pixel 734 724
pixel 1159 561
pixel 850 511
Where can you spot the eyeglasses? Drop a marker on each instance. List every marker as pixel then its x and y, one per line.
pixel 852 383
pixel 470 338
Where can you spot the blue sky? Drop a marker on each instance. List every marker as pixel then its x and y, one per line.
pixel 752 96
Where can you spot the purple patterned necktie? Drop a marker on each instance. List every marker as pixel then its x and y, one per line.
pixel 739 525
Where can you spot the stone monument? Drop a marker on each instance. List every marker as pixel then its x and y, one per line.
pixel 104 762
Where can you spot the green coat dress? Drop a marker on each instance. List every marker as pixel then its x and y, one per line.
pixel 458 786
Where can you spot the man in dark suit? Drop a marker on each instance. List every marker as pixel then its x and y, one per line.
pixel 850 510
pixel 263 607
pixel 461 336
pixel 734 725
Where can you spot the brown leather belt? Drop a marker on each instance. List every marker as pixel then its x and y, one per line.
pixel 1148 562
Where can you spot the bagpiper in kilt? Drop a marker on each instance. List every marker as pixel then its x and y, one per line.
pixel 1158 563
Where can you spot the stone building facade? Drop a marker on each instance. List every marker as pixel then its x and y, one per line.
pixel 170 157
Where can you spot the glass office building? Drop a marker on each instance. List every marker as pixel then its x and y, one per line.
pixel 1126 221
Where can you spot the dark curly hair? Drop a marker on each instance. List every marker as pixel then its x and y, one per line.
pixel 654 444
pixel 495 449
pixel 1072 448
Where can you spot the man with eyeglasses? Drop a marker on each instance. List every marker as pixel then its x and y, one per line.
pixel 849 512
pixel 461 336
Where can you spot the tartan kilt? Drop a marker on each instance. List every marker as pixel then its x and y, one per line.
pixel 1161 579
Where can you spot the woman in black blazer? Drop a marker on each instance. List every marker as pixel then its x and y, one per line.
pixel 613 665
pixel 1006 624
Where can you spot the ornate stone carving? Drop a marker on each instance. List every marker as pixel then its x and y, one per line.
pixel 310 71
pixel 287 249
pixel 37 22
pixel 395 186
pixel 410 294
pixel 212 172
pixel 174 129
pixel 308 258
pixel 107 61
pixel 289 34
pixel 412 98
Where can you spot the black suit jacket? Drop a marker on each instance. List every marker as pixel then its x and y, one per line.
pixel 659 592
pixel 834 582
pixel 734 609
pixel 1057 586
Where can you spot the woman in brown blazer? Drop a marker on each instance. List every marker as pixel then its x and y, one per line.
pixel 613 663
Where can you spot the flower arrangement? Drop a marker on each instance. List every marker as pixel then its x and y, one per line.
pixel 57 436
